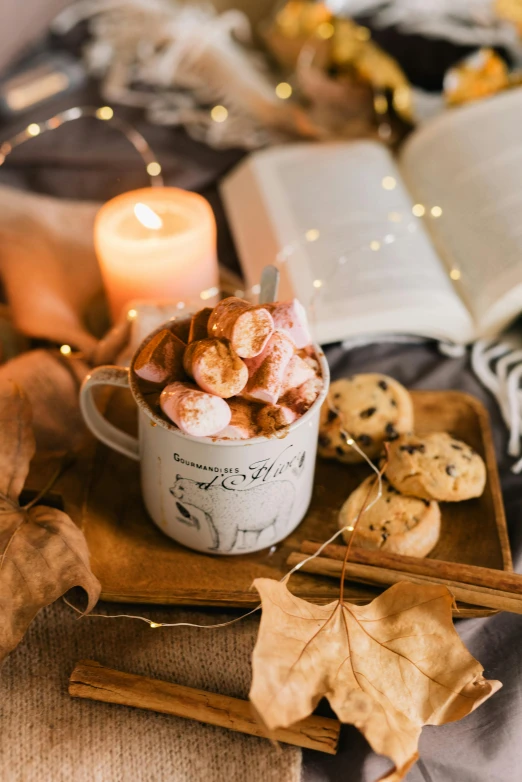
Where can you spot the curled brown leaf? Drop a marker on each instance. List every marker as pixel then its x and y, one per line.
pixel 388 667
pixel 43 554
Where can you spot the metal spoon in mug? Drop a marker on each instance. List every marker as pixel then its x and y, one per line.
pixel 269 285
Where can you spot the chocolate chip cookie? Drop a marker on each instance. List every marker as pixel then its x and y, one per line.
pixel 395 523
pixel 436 467
pixel 370 408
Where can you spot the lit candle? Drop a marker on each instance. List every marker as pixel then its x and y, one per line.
pixel 156 244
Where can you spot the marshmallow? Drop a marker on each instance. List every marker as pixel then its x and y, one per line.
pixel 248 328
pixel 267 371
pixel 297 372
pixel 302 398
pixel 242 424
pixel 273 418
pixel 161 359
pixel 180 327
pixel 199 324
pixel 290 317
pixel 193 411
pixel 215 367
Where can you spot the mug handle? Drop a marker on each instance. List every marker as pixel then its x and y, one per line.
pixel 101 428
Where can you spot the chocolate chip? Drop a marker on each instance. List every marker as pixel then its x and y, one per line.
pixel 368 412
pixel 393 403
pixel 372 527
pixel 337 396
pixel 392 489
pixel 411 448
pixel 324 441
pixel 332 415
pixel 385 536
pixel 452 470
pixel 426 502
pixel 391 432
pixel 365 439
pixel 383 384
pixel 456 447
pixel 339 451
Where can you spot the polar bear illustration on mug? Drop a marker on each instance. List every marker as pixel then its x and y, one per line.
pixel 259 507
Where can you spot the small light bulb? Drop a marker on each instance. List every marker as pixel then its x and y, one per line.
pixel 312 235
pixel 325 30
pixel 455 274
pixel 375 245
pixel 219 114
pixel 180 305
pixel 349 441
pixel 66 350
pixel 33 129
pixel 208 293
pixel 419 210
pixel 283 90
pixel 318 283
pixel 154 168
pixel 104 112
pixel 155 624
pixel 394 217
pixel 350 529
pixel 389 183
pixel 255 289
pixel 132 314
pixel 436 211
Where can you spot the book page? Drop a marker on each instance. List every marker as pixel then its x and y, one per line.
pixel 468 163
pixel 347 241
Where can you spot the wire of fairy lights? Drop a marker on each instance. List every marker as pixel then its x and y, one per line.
pixel 348 528
pixel 102 113
pixel 153 168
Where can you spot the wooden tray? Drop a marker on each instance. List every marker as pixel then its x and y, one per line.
pixel 136 563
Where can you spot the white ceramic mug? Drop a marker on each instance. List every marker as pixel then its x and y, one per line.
pixel 215 496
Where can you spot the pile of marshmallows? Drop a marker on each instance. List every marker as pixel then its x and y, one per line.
pixel 258 358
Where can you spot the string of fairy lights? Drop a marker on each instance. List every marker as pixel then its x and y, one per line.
pixel 153 167
pixel 102 113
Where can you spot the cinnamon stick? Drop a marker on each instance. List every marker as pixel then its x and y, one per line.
pixel 454 571
pixel 371 574
pixel 95 682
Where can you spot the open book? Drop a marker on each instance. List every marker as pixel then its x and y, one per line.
pixel 429 244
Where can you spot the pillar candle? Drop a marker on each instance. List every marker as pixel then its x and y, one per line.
pixel 156 244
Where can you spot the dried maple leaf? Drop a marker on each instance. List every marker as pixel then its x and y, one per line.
pixel 388 668
pixel 42 552
pixel 51 384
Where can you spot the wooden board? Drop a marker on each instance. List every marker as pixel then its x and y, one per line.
pixel 137 563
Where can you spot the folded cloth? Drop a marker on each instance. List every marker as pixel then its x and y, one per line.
pixel 46 735
pixel 48 266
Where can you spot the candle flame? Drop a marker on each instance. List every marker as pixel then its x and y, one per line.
pixel 148 217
